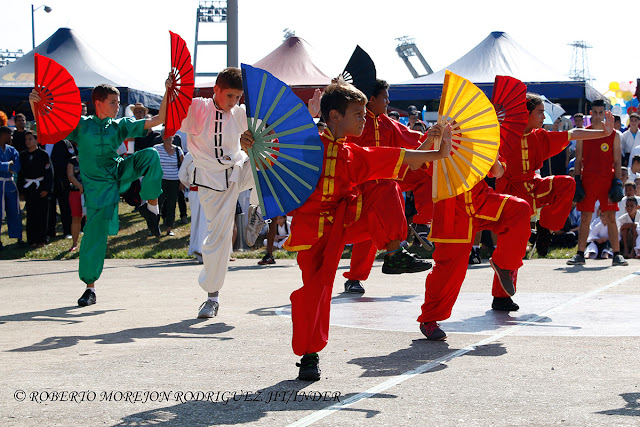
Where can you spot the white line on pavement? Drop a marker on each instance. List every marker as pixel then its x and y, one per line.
pixel 318 415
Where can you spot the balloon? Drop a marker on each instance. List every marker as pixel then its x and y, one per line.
pixel 625 86
pixel 613 100
pixel 614 86
pixel 634 102
pixel 619 94
pixel 616 110
pixel 632 110
pixel 627 96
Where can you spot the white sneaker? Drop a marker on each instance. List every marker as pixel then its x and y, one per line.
pixel 255 225
pixel 208 309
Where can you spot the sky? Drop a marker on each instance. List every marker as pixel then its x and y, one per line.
pixel 134 36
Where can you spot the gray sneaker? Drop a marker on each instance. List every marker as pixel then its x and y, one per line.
pixel 208 309
pixel 619 260
pixel 577 259
pixel 254 226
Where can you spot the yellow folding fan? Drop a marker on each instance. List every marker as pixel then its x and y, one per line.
pixel 475 140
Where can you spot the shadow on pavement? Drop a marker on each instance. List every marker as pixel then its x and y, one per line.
pixel 632 407
pixel 244 406
pixel 182 329
pixel 419 353
pixel 61 314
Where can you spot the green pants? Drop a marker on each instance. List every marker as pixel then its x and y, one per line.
pixel 102 222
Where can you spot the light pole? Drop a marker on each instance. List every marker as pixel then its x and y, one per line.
pixel 33 29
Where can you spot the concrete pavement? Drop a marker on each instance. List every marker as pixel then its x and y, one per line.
pixel 139 356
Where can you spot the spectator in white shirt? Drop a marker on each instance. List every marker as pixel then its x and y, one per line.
pixel 630 141
pixel 627 226
pixel 629 191
pixel 598 245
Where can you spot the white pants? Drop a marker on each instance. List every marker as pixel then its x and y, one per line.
pixel 219 209
pixel 198 224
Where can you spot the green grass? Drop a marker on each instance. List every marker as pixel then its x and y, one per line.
pixel 133 242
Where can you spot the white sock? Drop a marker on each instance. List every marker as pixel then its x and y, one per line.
pixel 92 289
pixel 476 247
pixel 213 299
pixel 153 208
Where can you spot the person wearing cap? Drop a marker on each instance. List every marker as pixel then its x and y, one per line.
pixel 9 164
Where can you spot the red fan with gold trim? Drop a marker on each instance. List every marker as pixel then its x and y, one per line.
pixel 181 92
pixel 509 98
pixel 58 111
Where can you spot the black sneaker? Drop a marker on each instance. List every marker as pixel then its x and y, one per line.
pixel 153 220
pixel 87 298
pixel 506 278
pixel 432 331
pixel 267 260
pixel 619 260
pixel 309 370
pixel 577 259
pixel 543 240
pixel 474 257
pixel 353 287
pixel 504 304
pixel 404 262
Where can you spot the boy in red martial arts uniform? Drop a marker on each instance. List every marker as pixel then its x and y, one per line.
pixel 337 213
pixel 478 209
pixel 523 157
pixel 598 173
pixel 381 131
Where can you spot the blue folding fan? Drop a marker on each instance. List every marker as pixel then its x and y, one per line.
pixel 285 171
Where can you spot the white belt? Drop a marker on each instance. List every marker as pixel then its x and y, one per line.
pixel 2 178
pixel 35 181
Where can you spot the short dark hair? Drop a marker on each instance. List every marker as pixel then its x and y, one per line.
pixel 598 103
pixel 30 132
pixel 5 130
pixel 230 78
pixel 321 123
pixel 635 159
pixel 617 119
pixel 634 115
pixel 632 199
pixel 338 96
pixel 630 184
pixel 393 114
pixel 102 92
pixel 380 86
pixel 578 115
pixel 20 115
pixel 533 100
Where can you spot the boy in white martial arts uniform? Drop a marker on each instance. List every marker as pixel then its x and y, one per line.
pixel 222 170
pixel 198 220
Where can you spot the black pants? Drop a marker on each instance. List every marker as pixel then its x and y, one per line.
pixel 61 196
pixel 168 200
pixel 37 216
pixel 182 204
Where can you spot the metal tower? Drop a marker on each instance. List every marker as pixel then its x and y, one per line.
pixel 218 12
pixel 407 48
pixel 579 62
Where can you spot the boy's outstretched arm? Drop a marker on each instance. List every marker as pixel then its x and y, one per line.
pixel 162 113
pixel 416 158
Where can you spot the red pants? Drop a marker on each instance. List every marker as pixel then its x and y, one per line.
pixel 310 305
pixel 553 194
pixel 596 188
pixel 363 254
pixel 451 259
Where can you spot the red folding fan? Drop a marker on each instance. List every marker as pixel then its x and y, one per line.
pixel 509 98
pixel 181 92
pixel 58 111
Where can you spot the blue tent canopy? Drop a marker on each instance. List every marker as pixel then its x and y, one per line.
pixel 87 67
pixel 498 54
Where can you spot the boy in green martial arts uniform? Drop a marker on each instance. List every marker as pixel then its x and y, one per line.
pixel 105 175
